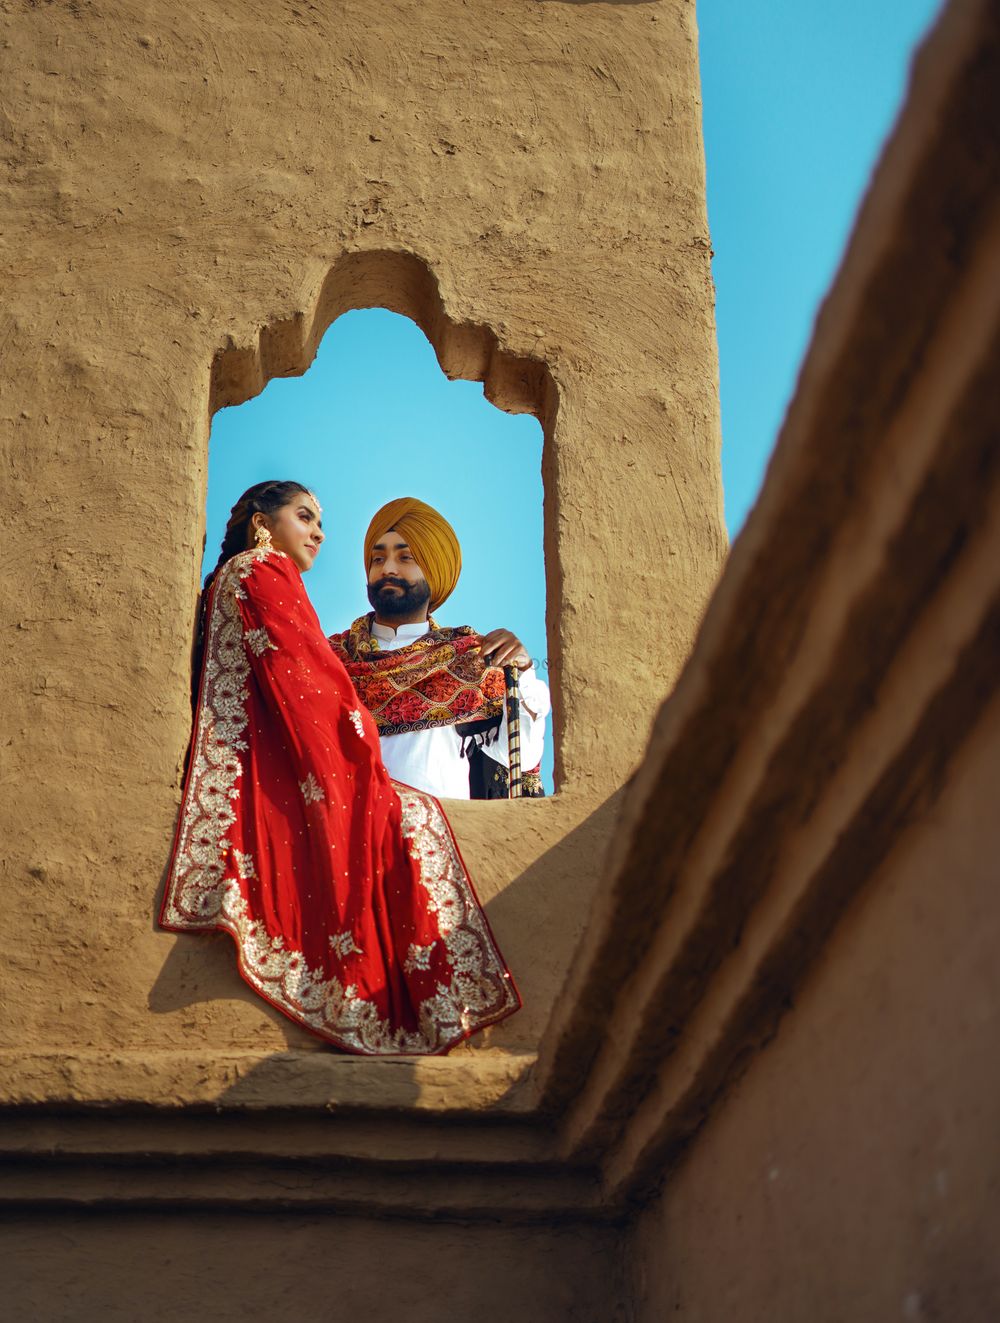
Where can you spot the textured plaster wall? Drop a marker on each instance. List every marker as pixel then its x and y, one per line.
pixel 220 1267
pixel 853 1174
pixel 182 179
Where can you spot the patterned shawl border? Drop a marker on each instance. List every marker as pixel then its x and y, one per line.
pixel 385 728
pixel 321 1005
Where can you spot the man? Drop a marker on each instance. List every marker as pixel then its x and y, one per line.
pixel 437 695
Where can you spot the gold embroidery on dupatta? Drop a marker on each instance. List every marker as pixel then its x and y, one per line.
pixel 312 791
pixel 200 895
pixel 418 957
pixel 356 722
pixel 480 991
pixel 343 945
pixel 258 641
pixel 244 865
pixel 194 893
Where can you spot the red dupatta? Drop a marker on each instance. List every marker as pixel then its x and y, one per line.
pixel 345 893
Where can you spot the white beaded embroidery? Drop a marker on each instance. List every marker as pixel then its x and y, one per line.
pixel 258 641
pixel 312 791
pixel 244 865
pixel 343 944
pixel 418 957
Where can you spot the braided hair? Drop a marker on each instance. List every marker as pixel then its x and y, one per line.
pixel 263 498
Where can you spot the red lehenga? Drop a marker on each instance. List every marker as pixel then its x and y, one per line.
pixel 345 893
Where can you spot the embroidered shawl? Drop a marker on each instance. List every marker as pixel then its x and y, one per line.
pixel 438 680
pixel 345 893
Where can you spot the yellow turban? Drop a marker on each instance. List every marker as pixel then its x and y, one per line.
pixel 430 537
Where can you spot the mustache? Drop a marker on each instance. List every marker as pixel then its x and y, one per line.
pixel 407 597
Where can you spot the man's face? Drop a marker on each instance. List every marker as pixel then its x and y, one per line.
pixel 396 583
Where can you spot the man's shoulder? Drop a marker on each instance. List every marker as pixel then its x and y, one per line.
pixel 449 632
pixel 356 628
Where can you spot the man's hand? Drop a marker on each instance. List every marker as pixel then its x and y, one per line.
pixel 502 648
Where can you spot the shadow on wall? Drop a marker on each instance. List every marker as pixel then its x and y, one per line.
pixel 541 915
pixel 304 1082
pixel 215 1264
pixel 201 968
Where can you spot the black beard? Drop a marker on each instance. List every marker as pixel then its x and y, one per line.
pixel 408 602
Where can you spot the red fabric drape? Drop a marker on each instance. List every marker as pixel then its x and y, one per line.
pixel 345 893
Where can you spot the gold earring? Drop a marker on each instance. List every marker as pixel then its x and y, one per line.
pixel 263 537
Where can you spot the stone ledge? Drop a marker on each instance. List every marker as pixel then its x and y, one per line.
pixel 467 1083
pixel 272 1135
pixel 464 1192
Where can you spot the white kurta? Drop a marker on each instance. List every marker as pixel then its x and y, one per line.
pixel 431 760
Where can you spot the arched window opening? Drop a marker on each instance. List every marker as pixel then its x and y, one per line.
pixel 375 418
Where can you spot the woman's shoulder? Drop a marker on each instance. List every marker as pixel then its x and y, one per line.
pixel 258 569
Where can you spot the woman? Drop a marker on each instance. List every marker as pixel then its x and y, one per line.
pixel 346 895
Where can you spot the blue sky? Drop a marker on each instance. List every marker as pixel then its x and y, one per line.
pixel 799 96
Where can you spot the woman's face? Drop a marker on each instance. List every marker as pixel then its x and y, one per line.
pixel 296 529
